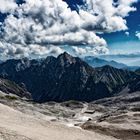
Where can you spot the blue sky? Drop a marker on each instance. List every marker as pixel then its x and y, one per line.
pixel 85 30
pixel 119 42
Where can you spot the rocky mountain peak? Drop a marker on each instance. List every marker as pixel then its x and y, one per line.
pixel 66 59
pixel 50 59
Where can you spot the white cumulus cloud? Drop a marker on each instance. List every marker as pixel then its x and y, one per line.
pixel 40 27
pixel 7 6
pixel 127 33
pixel 138 34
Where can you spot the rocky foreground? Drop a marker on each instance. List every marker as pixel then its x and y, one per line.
pixel 15 125
pixel 106 119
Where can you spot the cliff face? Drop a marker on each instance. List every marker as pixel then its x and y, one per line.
pixel 9 87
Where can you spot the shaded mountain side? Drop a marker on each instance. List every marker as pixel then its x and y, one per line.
pixel 65 78
pixel 9 87
pixel 135 85
pixel 115 79
pixel 138 71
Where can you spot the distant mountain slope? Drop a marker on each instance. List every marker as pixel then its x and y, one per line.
pixel 98 62
pixel 135 84
pixel 138 71
pixel 129 59
pixel 9 87
pixel 65 78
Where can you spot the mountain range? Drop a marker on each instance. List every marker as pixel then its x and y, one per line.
pixel 67 78
pixel 128 59
pixel 99 62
